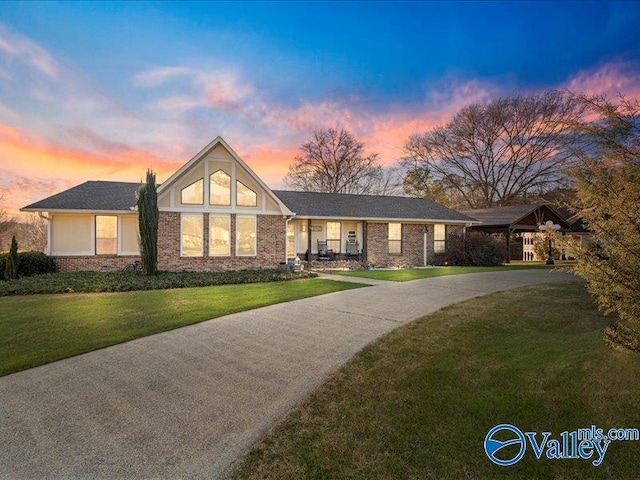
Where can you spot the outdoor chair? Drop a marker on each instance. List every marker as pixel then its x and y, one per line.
pixel 323 252
pixel 351 249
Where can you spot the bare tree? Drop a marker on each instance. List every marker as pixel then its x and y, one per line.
pixel 6 225
pixel 497 153
pixel 333 161
pixel 33 233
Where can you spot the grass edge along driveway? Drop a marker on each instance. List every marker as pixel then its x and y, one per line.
pixel 39 329
pixel 408 274
pixel 418 402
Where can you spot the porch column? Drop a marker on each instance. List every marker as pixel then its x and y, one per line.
pixel 364 240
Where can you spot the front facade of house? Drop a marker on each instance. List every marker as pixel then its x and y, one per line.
pixel 216 214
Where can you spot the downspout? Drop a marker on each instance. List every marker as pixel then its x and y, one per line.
pixel 48 219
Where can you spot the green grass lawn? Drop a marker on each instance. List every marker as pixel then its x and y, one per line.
pixel 419 402
pixel 404 275
pixel 39 329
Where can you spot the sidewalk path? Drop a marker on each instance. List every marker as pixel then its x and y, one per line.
pixel 187 403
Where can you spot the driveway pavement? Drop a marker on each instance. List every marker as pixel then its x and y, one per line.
pixel 187 403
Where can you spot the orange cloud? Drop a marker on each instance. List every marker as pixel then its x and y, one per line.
pixel 34 169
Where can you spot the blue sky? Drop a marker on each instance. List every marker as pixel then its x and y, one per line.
pixel 104 89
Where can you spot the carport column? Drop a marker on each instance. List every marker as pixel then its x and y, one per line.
pixel 309 239
pixel 508 238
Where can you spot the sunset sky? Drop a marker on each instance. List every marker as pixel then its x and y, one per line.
pixel 101 91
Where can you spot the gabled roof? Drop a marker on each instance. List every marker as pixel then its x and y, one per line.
pixel 347 206
pixel 513 215
pixel 203 153
pixel 93 196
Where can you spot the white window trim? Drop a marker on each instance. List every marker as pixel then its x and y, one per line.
pixel 439 242
pixel 220 205
pixel 394 240
pixel 255 239
pixel 95 237
pixel 198 204
pixel 182 215
pixel 251 190
pixel 228 218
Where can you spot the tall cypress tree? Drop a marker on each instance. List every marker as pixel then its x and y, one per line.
pixel 148 217
pixel 11 268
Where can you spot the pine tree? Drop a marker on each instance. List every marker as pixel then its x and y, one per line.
pixel 607 180
pixel 148 217
pixel 11 268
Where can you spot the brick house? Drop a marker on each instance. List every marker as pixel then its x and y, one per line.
pixel 217 214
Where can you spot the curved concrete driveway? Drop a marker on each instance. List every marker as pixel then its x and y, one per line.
pixel 187 403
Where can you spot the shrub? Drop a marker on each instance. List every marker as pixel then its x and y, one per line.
pixel 29 264
pixel 35 263
pixel 473 249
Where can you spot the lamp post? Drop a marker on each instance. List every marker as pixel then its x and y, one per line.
pixel 549 227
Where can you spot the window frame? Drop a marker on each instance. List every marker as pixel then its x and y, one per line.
pixel 211 230
pixel 440 244
pixel 394 241
pixel 334 240
pixel 201 202
pixel 182 217
pixel 211 189
pixel 238 183
pixel 95 235
pixel 255 238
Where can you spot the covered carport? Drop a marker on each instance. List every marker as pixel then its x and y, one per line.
pixel 515 219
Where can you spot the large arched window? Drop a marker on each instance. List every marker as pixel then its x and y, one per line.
pixel 220 189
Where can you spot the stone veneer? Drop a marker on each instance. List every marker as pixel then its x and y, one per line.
pixel 270 246
pixel 412 244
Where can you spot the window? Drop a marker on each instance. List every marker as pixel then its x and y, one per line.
pixel 219 235
pixel 439 238
pixel 106 235
pixel 219 189
pixel 395 238
pixel 245 197
pixel 191 235
pixel 245 236
pixel 291 240
pixel 193 194
pixel 333 236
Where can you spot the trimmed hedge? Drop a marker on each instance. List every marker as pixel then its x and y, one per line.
pixel 126 281
pixel 475 249
pixel 29 264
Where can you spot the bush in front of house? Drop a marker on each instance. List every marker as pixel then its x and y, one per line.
pixel 475 249
pixel 126 281
pixel 29 264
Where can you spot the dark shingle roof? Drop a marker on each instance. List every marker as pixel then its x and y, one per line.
pixel 121 196
pixel 338 205
pixel 95 196
pixel 502 215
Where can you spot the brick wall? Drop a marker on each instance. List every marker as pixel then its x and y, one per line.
pixel 93 263
pixel 270 246
pixel 412 244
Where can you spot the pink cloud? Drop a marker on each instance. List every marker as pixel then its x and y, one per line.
pixel 610 79
pixel 24 50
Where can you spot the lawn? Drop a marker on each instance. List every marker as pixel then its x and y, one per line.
pixel 404 275
pixel 419 402
pixel 39 329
